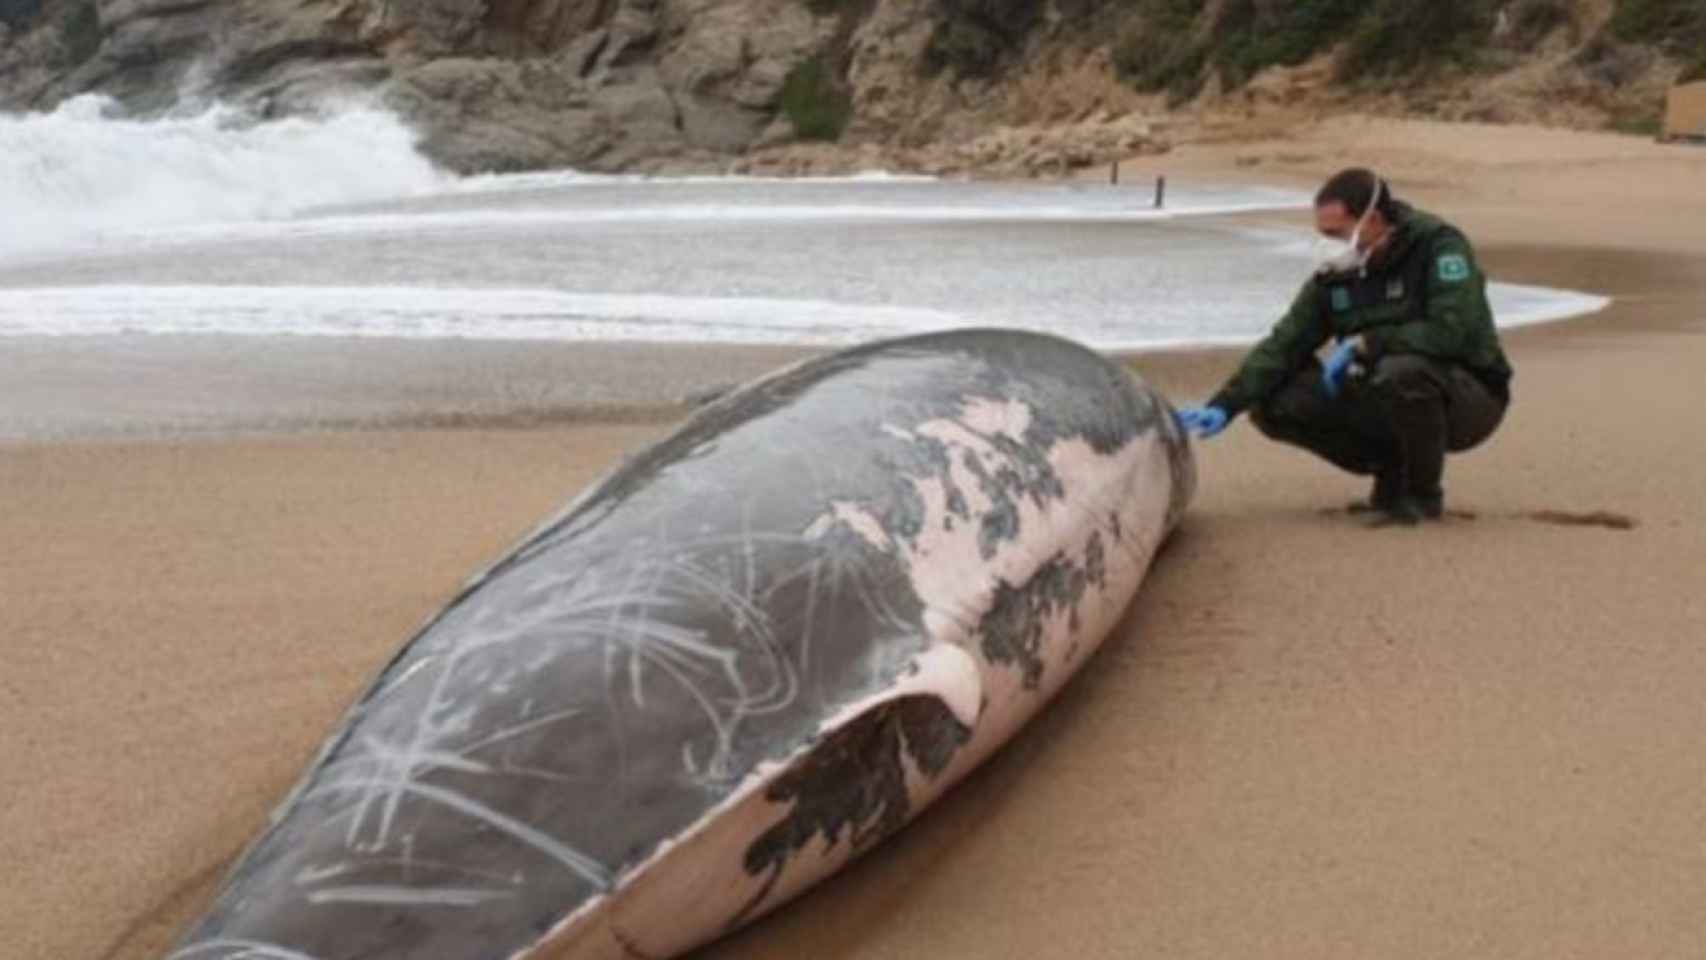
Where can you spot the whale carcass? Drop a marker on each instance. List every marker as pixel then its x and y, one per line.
pixel 750 652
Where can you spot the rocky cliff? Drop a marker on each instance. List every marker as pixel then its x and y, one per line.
pixel 1009 85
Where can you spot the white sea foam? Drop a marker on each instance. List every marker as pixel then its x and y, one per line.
pixel 497 314
pixel 555 179
pixel 433 313
pixel 583 217
pixel 80 174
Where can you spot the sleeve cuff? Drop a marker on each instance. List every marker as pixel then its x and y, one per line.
pixel 1228 401
pixel 1374 345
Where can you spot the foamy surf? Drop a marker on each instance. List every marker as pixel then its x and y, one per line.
pixel 81 175
pixel 758 213
pixel 554 179
pixel 438 313
pixel 533 315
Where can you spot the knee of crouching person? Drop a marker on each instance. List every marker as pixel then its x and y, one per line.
pixel 1406 376
pixel 1401 369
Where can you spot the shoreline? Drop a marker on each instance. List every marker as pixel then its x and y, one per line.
pixel 167 387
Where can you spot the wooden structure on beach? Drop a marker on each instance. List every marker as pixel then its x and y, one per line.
pixel 1685 112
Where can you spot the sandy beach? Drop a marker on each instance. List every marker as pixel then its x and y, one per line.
pixel 1483 738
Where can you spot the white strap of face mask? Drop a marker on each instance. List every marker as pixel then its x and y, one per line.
pixel 1374 203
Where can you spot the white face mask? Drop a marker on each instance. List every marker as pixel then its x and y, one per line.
pixel 1338 256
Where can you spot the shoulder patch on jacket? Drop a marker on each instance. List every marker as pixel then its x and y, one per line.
pixel 1453 267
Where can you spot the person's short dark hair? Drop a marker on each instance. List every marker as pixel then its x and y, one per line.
pixel 1355 189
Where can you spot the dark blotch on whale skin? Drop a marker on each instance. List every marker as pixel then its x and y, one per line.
pixel 905 518
pixel 1026 474
pixel 1013 628
pixel 854 783
pixel 935 453
pixel 1096 561
pixel 1001 522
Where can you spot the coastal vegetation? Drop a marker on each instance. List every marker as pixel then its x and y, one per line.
pixel 1179 47
pixel 82 31
pixel 1678 27
pixel 814 103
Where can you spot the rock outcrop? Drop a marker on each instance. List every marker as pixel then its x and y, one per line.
pixel 1014 87
pixel 514 84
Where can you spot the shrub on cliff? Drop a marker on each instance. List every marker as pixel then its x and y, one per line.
pixel 1252 35
pixel 1694 72
pixel 1678 27
pixel 973 37
pixel 1161 50
pixel 82 31
pixel 1527 22
pixel 1167 47
pixel 814 103
pixel 1406 37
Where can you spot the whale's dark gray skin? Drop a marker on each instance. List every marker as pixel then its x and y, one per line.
pixel 748 653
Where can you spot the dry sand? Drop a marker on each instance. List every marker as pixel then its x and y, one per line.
pixel 1485 738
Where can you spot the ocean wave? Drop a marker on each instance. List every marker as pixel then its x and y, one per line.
pixel 82 174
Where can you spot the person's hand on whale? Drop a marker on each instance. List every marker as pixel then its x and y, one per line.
pixel 1203 421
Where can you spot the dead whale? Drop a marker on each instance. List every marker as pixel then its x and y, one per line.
pixel 743 657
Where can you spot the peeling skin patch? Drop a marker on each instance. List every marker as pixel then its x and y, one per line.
pixel 863 524
pixel 990 416
pixel 854 784
pixel 1017 621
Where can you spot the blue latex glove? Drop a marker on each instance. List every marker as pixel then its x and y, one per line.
pixel 1333 371
pixel 1205 422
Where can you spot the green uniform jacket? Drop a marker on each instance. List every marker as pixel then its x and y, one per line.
pixel 1423 294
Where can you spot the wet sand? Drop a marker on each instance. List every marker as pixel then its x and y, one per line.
pixel 166 386
pixel 1481 738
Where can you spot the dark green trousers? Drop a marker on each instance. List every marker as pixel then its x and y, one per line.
pixel 1397 422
